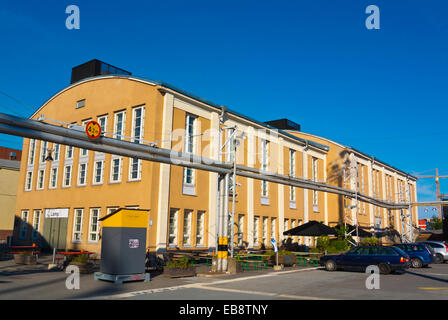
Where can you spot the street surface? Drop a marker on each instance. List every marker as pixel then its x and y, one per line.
pixel 19 282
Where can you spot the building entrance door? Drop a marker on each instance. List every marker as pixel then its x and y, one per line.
pixel 55 229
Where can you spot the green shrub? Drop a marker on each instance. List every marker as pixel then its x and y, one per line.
pixel 184 263
pixel 371 241
pixel 323 242
pixel 82 258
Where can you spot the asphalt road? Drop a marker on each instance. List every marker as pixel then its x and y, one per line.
pixel 293 284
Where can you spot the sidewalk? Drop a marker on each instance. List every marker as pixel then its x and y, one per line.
pixel 37 282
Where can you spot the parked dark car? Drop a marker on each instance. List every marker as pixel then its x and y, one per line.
pixel 420 254
pixel 388 259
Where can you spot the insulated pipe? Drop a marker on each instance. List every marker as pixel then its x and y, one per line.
pixel 121 151
pixel 163 155
pixel 175 155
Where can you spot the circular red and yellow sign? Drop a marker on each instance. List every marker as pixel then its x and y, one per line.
pixel 93 130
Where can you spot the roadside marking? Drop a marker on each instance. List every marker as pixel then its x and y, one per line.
pixel 203 285
pixel 433 288
pixel 270 294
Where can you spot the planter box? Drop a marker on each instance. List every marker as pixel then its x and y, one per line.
pixel 286 260
pixel 24 259
pixel 179 272
pixel 84 268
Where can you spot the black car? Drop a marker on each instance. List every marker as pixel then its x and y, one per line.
pixel 388 259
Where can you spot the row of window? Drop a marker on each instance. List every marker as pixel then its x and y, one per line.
pixel 79 216
pixel 135 172
pixel 188 217
pixel 97 177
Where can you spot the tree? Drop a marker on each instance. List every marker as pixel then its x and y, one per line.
pixel 435 223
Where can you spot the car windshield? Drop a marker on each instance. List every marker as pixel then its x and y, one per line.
pixel 401 252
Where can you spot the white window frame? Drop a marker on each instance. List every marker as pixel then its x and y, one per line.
pixel 264 167
pixel 64 184
pixel 186 228
pixel 69 151
pixel 273 227
pixel 23 231
pixel 29 181
pixel 91 224
pixel 43 149
pixel 37 215
pixel 314 167
pixel 112 166
pixel 119 134
pixel 190 147
pixel 200 228
pixel 95 171
pixel 85 174
pixel 57 151
pixel 84 153
pixel 31 151
pixel 40 183
pixel 265 231
pixel 75 230
pixel 53 179
pixel 172 227
pixel 240 234
pixel 256 234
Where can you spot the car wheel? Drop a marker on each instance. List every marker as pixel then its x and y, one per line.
pixel 330 265
pixel 439 258
pixel 384 268
pixel 416 263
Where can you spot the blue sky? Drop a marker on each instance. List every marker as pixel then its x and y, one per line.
pixel 314 62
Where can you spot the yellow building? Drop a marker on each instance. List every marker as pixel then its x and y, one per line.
pixel 9 178
pixel 62 200
pixel 373 178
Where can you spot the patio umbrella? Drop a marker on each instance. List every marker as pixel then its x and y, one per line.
pixel 361 233
pixel 311 229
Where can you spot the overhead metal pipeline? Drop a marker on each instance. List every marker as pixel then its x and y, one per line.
pixel 45 136
pixel 43 131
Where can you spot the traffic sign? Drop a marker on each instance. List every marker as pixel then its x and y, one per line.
pixel 93 130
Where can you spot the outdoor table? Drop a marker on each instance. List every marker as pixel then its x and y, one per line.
pixel 34 249
pixel 308 257
pixel 73 253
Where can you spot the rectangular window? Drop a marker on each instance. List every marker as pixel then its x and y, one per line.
pixel 200 227
pixel 67 176
pixel 81 103
pixel 43 151
pixel 98 174
pixel 187 228
pixel 265 230
pixel 190 146
pixel 137 124
pixel 53 178
pixel 36 224
pixel 135 172
pixel 115 172
pixel 24 225
pixel 68 152
pixel 119 125
pixel 84 152
pixel 315 178
pixel 286 225
pixel 56 148
pixel 292 163
pixel 94 225
pixel 172 240
pixel 40 179
pixel 292 193
pixel 273 226
pixel 240 229
pixel 77 225
pixel 29 181
pixel 102 121
pixel 82 174
pixel 31 151
pixel 264 166
pixel 256 228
